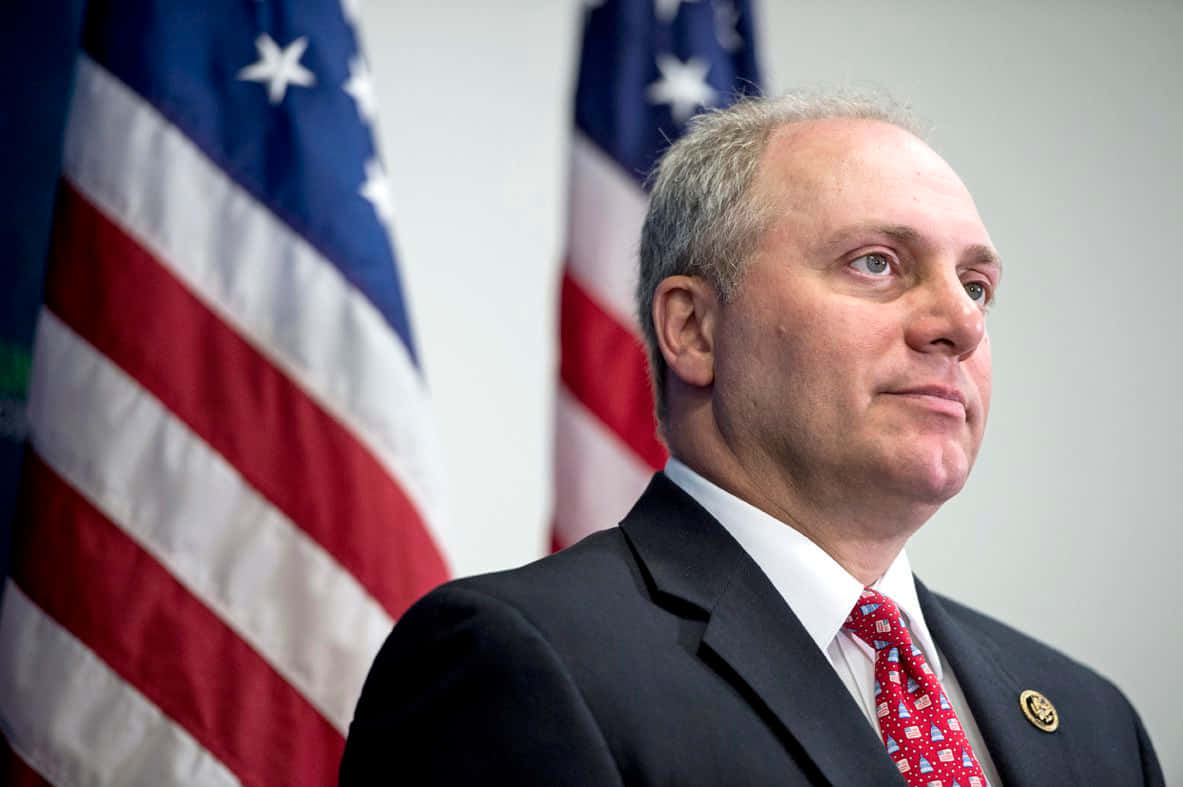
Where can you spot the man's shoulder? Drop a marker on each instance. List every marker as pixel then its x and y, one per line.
pixel 487 661
pixel 1005 636
pixel 599 559
pixel 594 580
pixel 1029 659
pixel 1004 671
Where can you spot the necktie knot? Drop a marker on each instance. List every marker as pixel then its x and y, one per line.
pixel 876 620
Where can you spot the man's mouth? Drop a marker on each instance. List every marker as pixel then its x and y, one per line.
pixel 939 398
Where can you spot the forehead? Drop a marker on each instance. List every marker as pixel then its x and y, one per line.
pixel 824 176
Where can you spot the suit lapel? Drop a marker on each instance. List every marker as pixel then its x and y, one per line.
pixel 751 636
pixel 1022 754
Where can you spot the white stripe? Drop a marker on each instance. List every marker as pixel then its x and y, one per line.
pixel 607 211
pixel 182 502
pixel 597 477
pixel 77 722
pixel 257 274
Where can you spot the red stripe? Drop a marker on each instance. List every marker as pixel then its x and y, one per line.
pixel 15 772
pixel 116 296
pixel 84 572
pixel 604 366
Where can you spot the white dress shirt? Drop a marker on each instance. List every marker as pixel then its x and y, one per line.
pixel 822 593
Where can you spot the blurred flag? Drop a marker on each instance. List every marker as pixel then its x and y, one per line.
pixel 37 46
pixel 232 491
pixel 646 67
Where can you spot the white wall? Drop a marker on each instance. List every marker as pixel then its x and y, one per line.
pixel 1065 120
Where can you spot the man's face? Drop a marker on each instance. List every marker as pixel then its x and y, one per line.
pixel 854 357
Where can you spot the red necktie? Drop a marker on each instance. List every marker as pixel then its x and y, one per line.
pixel 920 730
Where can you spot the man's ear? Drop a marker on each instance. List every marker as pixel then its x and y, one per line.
pixel 685 311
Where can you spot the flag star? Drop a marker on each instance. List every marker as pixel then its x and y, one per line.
pixel 667 10
pixel 352 9
pixel 682 85
pixel 726 21
pixel 278 67
pixel 376 190
pixel 361 87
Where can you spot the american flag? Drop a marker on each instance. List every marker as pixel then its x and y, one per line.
pixel 231 492
pixel 646 67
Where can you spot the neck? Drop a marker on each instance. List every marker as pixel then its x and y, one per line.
pixel 862 528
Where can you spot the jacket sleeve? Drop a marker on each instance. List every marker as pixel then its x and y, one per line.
pixel 466 690
pixel 1151 770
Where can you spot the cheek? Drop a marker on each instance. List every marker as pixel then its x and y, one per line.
pixel 851 346
pixel 980 372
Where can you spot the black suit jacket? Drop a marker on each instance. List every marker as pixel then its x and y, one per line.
pixel 659 653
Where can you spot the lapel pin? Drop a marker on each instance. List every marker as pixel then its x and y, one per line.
pixel 1039 711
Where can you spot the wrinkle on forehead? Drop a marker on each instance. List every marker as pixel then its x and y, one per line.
pixel 828 151
pixel 864 166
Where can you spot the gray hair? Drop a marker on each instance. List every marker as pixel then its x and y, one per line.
pixel 701 220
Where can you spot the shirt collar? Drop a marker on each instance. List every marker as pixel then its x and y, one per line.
pixel 898 584
pixel 820 592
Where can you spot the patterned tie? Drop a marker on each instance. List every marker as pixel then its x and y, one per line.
pixel 920 730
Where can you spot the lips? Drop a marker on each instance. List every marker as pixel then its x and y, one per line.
pixel 936 399
pixel 937 391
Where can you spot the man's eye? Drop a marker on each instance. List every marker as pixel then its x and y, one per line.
pixel 977 291
pixel 873 264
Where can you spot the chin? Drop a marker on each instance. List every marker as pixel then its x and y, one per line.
pixel 934 477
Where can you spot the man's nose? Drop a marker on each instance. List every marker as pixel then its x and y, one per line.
pixel 945 319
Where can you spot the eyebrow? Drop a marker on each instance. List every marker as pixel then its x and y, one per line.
pixel 978 253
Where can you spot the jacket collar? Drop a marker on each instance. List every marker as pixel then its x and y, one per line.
pixel 752 638
pixel 816 587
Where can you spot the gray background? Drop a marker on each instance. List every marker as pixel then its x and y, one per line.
pixel 1064 118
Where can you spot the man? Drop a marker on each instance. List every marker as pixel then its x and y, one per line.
pixel 814 288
